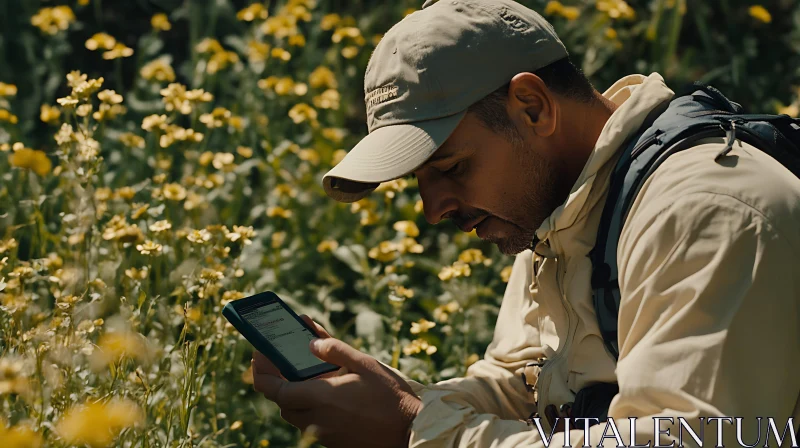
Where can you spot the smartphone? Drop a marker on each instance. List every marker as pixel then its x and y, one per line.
pixel 277 332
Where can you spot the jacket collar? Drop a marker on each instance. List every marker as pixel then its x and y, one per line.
pixel 635 96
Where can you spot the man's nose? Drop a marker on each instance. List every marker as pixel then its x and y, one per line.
pixel 438 201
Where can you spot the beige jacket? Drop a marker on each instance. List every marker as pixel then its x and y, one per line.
pixel 709 263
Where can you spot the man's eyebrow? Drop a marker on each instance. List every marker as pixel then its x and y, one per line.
pixel 438 155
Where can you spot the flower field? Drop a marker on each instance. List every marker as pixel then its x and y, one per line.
pixel 162 158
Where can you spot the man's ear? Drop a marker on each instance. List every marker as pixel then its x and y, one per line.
pixel 532 104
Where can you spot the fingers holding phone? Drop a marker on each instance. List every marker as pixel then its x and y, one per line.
pixel 321 331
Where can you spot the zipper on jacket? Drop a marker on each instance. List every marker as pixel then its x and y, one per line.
pixel 564 348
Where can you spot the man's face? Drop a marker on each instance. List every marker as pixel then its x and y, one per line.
pixel 499 185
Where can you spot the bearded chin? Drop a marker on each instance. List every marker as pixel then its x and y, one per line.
pixel 543 191
pixel 514 244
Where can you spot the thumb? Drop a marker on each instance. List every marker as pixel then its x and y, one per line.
pixel 339 353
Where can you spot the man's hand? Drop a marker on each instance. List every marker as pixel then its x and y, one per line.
pixel 366 405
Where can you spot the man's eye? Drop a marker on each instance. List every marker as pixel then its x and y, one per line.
pixel 455 168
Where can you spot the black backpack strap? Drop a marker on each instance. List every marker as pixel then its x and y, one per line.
pixel 702 113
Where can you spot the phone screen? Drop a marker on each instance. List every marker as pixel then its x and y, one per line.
pixel 283 331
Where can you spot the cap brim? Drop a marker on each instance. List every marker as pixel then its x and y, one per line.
pixel 387 153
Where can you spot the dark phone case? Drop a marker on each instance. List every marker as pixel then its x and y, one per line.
pixel 262 344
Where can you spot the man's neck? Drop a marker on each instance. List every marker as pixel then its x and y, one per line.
pixel 587 123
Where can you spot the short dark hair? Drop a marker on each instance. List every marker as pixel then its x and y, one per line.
pixel 562 77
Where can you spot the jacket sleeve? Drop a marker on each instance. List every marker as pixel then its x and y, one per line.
pixel 709 320
pixel 709 327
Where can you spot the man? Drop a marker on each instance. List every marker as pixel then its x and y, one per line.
pixel 478 99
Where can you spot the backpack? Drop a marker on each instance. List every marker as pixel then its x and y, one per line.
pixel 700 112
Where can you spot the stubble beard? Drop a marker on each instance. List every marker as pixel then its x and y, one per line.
pixel 540 197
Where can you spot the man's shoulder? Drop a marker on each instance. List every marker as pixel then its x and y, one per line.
pixel 747 179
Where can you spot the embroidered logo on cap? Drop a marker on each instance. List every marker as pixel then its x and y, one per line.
pixel 380 95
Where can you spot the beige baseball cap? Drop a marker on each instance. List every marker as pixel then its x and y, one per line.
pixel 424 74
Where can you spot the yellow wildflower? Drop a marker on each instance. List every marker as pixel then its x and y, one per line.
pixel 113 346
pixel 49 114
pixel 125 193
pixel 336 135
pixel 616 9
pixel 418 206
pixel 211 275
pixel 443 312
pixel 557 8
pixel 7 89
pixel 109 97
pixel 19 436
pixel 301 112
pixel 8 116
pixel 220 61
pixel 83 110
pixel 223 161
pixel 280 26
pixel 132 140
pixel 327 246
pixel 279 212
pixel 193 201
pixel 175 98
pixel 458 269
pixel 83 88
pixel 229 296
pixel 407 227
pixel 209 45
pixel 34 160
pixel 53 20
pixel 329 21
pixel 760 13
pixel 120 50
pixel 322 77
pixel 160 22
pixel 284 189
pixel 148 248
pixel 309 155
pixel 98 424
pixel 217 118
pixel 611 33
pixel 421 326
pixel 67 101
pixel 241 233
pixel 101 40
pixel 349 52
pixel 280 53
pixel 384 252
pixel 158 69
pixel 350 32
pixel 257 51
pixel 505 274
pixel 154 122
pixel 252 12
pixel 160 226
pixel 277 239
pixel 419 346
pixel 244 151
pixel 298 40
pixel 329 99
pixel 174 133
pixel 174 192
pixel 410 245
pixel 472 256
pixel 201 236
